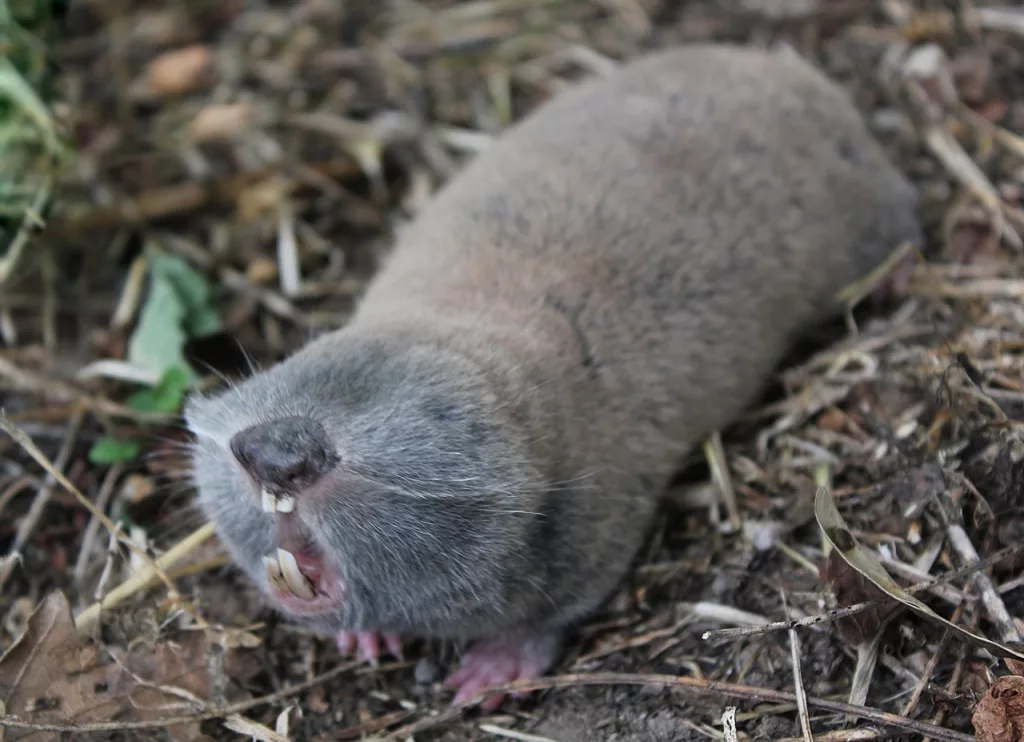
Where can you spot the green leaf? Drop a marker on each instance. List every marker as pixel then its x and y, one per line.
pixel 158 342
pixel 201 317
pixel 179 307
pixel 166 396
pixel 110 450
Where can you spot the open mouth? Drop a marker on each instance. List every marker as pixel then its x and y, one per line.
pixel 300 578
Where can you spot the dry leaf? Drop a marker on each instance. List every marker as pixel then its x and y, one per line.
pixel 221 122
pixel 851 587
pixel 865 562
pixel 263 197
pixel 53 675
pixel 999 715
pixel 136 488
pixel 179 71
pixel 49 676
pixel 832 419
pixel 262 270
pixel 253 730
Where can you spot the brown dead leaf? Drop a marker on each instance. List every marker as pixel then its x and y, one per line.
pixel 850 587
pixel 832 419
pixel 263 197
pixel 180 71
pixel 262 270
pixel 834 528
pixel 999 715
pixel 220 122
pixel 52 675
pixel 48 675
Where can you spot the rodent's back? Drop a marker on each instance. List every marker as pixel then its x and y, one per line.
pixel 686 216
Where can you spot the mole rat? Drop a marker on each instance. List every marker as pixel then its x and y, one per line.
pixel 478 454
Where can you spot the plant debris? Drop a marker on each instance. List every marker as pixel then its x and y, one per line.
pixel 51 675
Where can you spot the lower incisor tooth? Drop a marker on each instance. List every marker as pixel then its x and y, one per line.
pixel 274 575
pixel 293 576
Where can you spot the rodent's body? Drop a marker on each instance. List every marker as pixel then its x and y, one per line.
pixel 610 282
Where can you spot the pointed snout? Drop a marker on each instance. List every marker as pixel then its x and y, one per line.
pixel 286 455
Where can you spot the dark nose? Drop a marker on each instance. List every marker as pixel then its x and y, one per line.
pixel 285 455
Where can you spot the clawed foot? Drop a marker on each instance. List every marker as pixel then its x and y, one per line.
pixel 369 644
pixel 487 663
pixel 502 661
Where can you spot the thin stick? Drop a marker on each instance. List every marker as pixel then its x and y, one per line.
pixel 144 578
pixel 53 388
pixel 178 199
pixel 798 687
pixel 30 218
pixel 102 498
pixel 714 452
pixel 42 498
pixel 837 613
pixel 113 726
pixel 933 661
pixel 513 734
pixel 23 440
pixel 994 605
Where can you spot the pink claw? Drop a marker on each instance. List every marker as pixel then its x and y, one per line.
pixel 394 644
pixel 369 644
pixel 346 643
pixel 501 661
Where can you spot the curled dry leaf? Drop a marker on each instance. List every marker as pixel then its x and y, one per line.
pixel 179 71
pixel 865 562
pixel 52 675
pixel 999 715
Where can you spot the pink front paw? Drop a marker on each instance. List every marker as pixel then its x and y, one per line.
pixel 502 661
pixel 369 644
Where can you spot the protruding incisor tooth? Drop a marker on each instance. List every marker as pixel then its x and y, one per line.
pixel 269 502
pixel 274 575
pixel 285 504
pixel 293 576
